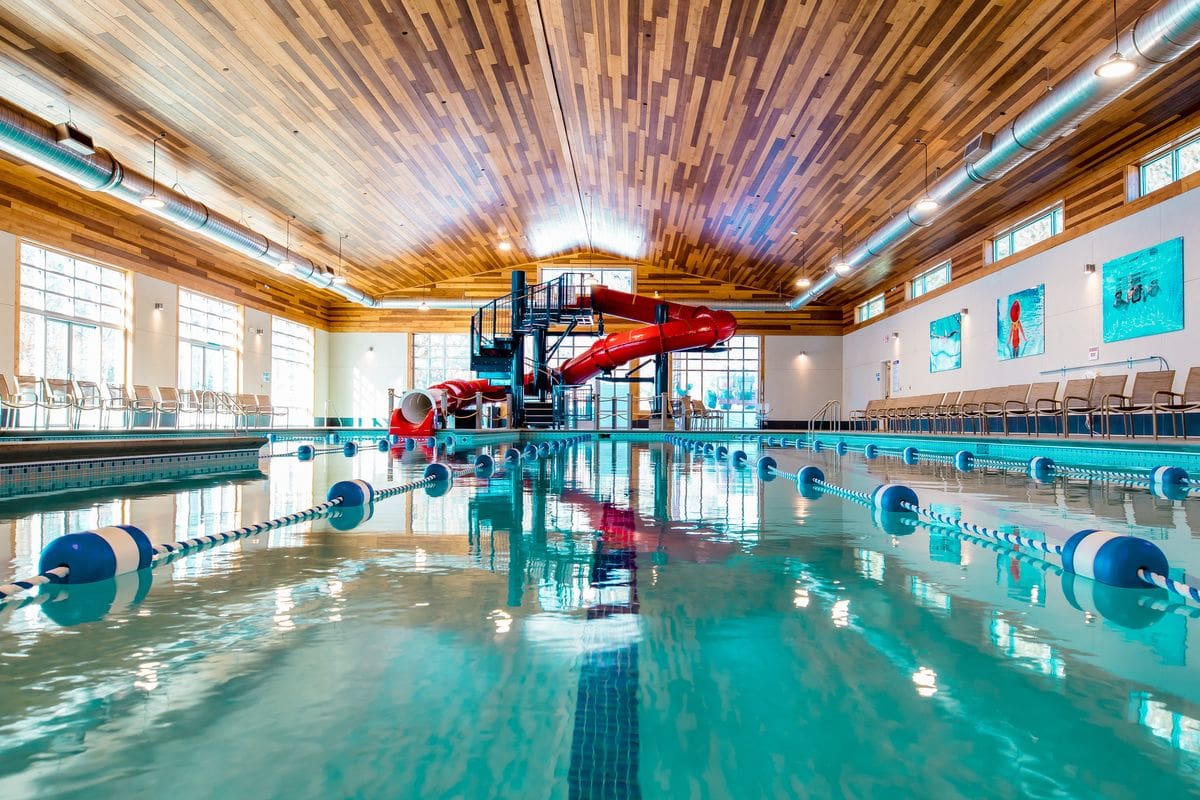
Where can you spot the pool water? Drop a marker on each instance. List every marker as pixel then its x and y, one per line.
pixel 619 620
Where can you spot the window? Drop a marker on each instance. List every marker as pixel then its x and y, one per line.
pixel 292 369
pixel 210 343
pixel 1030 232
pixel 73 318
pixel 620 279
pixel 930 279
pixel 439 357
pixel 1170 166
pixel 726 379
pixel 871 308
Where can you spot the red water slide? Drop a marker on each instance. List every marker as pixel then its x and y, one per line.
pixel 687 328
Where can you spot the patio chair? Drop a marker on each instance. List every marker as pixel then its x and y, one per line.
pixel 87 397
pixel 1146 387
pixel 1103 387
pixel 1175 403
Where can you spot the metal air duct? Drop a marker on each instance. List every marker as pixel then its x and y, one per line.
pixel 1158 37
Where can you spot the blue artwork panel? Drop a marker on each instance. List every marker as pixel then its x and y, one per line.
pixel 1143 292
pixel 1021 324
pixel 945 343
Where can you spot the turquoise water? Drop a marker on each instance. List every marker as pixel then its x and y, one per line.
pixel 623 620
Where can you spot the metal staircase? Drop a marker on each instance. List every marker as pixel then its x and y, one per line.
pixel 541 306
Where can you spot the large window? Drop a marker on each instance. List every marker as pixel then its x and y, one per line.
pixel 292 369
pixel 619 278
pixel 1030 232
pixel 1158 171
pixel 930 279
pixel 210 343
pixel 726 379
pixel 440 357
pixel 870 309
pixel 73 318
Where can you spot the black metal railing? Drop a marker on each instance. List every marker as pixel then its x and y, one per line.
pixel 556 301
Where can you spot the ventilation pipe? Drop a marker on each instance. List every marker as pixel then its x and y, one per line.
pixel 1158 37
pixel 32 139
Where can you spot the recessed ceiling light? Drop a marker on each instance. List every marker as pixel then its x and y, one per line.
pixel 505 246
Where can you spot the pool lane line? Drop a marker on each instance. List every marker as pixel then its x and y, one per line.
pixel 1104 556
pixel 134 551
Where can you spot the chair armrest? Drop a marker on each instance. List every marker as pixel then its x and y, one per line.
pixel 1067 404
pixel 1105 402
pixel 1020 405
pixel 1047 403
pixel 1168 394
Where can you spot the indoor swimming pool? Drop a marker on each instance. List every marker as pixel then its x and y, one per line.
pixel 612 619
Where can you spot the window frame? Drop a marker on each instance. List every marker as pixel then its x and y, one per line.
pixel 235 346
pixel 863 312
pixel 308 334
pixel 117 280
pixel 1171 152
pixel 1058 224
pixel 693 363
pixel 444 373
pixel 946 266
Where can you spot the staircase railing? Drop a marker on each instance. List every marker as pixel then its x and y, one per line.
pixel 545 304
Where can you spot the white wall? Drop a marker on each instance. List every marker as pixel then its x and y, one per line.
pixel 321 403
pixel 256 352
pixel 1073 314
pixel 359 377
pixel 801 373
pixel 155 333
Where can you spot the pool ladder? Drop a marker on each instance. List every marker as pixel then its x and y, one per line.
pixel 829 414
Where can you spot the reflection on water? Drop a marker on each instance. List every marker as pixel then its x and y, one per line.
pixel 620 620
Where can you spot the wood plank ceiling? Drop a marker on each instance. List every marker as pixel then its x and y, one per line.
pixel 724 139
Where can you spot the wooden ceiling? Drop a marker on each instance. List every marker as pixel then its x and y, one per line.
pixel 694 135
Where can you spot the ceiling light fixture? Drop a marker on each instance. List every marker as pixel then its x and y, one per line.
pixel 424 289
pixel 926 204
pixel 286 264
pixel 804 282
pixel 152 201
pixel 841 267
pixel 1116 65
pixel 338 277
pixel 504 246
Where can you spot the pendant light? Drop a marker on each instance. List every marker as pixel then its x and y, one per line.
pixel 152 201
pixel 286 265
pixel 338 277
pixel 424 305
pixel 804 282
pixel 841 267
pixel 1117 65
pixel 926 204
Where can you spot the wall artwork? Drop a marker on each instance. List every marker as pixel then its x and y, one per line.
pixel 1143 292
pixel 1021 323
pixel 945 343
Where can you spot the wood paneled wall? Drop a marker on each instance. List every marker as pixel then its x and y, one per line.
pixel 43 208
pixel 679 286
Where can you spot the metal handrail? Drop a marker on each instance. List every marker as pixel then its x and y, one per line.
pixel 1127 363
pixel 823 413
